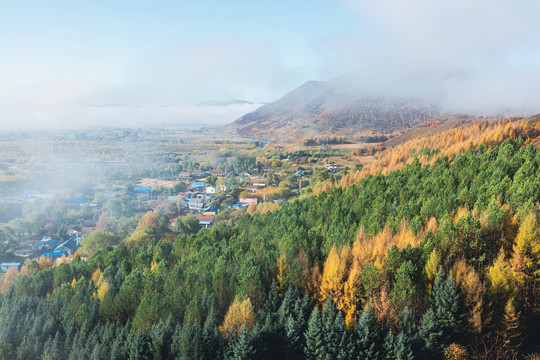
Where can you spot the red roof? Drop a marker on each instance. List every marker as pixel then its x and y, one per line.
pixel 204 217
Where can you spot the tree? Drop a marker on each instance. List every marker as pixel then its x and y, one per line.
pixel 97 240
pixel 105 222
pixel 431 334
pixel 447 307
pixel 9 278
pixel 315 343
pixel 240 313
pixel 526 260
pixel 187 225
pixel 510 328
pixel 242 348
pixel 366 335
pixel 293 343
pixel 403 347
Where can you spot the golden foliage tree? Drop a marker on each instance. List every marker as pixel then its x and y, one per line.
pixel 9 278
pixel 240 313
pixel 526 260
pixel 334 272
pixel 510 328
pixel 431 268
pixel 473 291
pixel 456 352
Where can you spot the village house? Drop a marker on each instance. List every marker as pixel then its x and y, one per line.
pixel 4 267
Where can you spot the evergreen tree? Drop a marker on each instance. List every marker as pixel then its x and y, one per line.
pixel 431 334
pixel 409 329
pixel 272 300
pixel 315 344
pixel 97 353
pixel 138 347
pixel 293 343
pixel 403 347
pixel 242 347
pixel 388 346
pixel 211 340
pixel 447 308
pixel 367 340
pixel 191 342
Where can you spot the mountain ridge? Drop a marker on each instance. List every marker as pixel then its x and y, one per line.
pixel 333 108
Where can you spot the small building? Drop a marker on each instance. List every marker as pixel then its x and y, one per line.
pixel 143 190
pixel 197 184
pixel 46 243
pixel 4 267
pixel 77 201
pixel 211 189
pixel 248 200
pixel 54 254
pixel 205 220
pixel 67 246
pixel 184 175
pixel 217 173
pixel 195 204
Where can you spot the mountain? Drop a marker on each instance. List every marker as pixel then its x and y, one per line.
pixel 332 108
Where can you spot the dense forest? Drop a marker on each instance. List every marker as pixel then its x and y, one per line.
pixel 437 259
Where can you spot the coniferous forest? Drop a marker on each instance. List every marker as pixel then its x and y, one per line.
pixel 437 260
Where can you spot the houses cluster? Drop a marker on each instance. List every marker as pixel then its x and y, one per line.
pixel 51 247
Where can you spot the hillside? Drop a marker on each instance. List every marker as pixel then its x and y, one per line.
pixel 437 259
pixel 331 107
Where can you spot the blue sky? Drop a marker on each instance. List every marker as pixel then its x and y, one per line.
pixel 68 63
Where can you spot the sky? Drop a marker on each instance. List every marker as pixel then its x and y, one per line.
pixel 128 63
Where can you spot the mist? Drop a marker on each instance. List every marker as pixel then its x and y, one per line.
pixel 470 56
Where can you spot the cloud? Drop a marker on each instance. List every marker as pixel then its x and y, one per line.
pixel 471 54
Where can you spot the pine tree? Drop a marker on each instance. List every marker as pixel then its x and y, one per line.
pixel 97 353
pixel 191 342
pixel 447 308
pixel 242 348
pixel 403 347
pixel 388 347
pixel 272 301
pixel 342 348
pixel 431 334
pixel 138 347
pixel 367 336
pixel 315 345
pixel 287 306
pixel 293 343
pixel 211 340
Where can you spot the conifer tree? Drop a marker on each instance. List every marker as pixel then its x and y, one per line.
pixel 315 344
pixel 388 347
pixel 211 340
pixel 431 334
pixel 447 307
pixel 510 328
pixel 272 300
pixel 526 261
pixel 293 343
pixel 403 347
pixel 367 341
pixel 242 347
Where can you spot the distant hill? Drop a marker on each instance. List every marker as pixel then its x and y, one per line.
pixel 332 108
pixel 225 103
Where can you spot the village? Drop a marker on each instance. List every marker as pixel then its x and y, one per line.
pixel 198 193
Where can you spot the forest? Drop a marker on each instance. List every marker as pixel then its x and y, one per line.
pixel 438 258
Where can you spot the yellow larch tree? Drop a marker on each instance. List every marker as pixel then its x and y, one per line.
pixel 526 261
pixel 240 313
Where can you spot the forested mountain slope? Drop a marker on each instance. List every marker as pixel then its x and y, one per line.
pixel 438 258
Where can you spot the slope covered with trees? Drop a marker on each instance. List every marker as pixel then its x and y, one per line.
pixel 439 259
